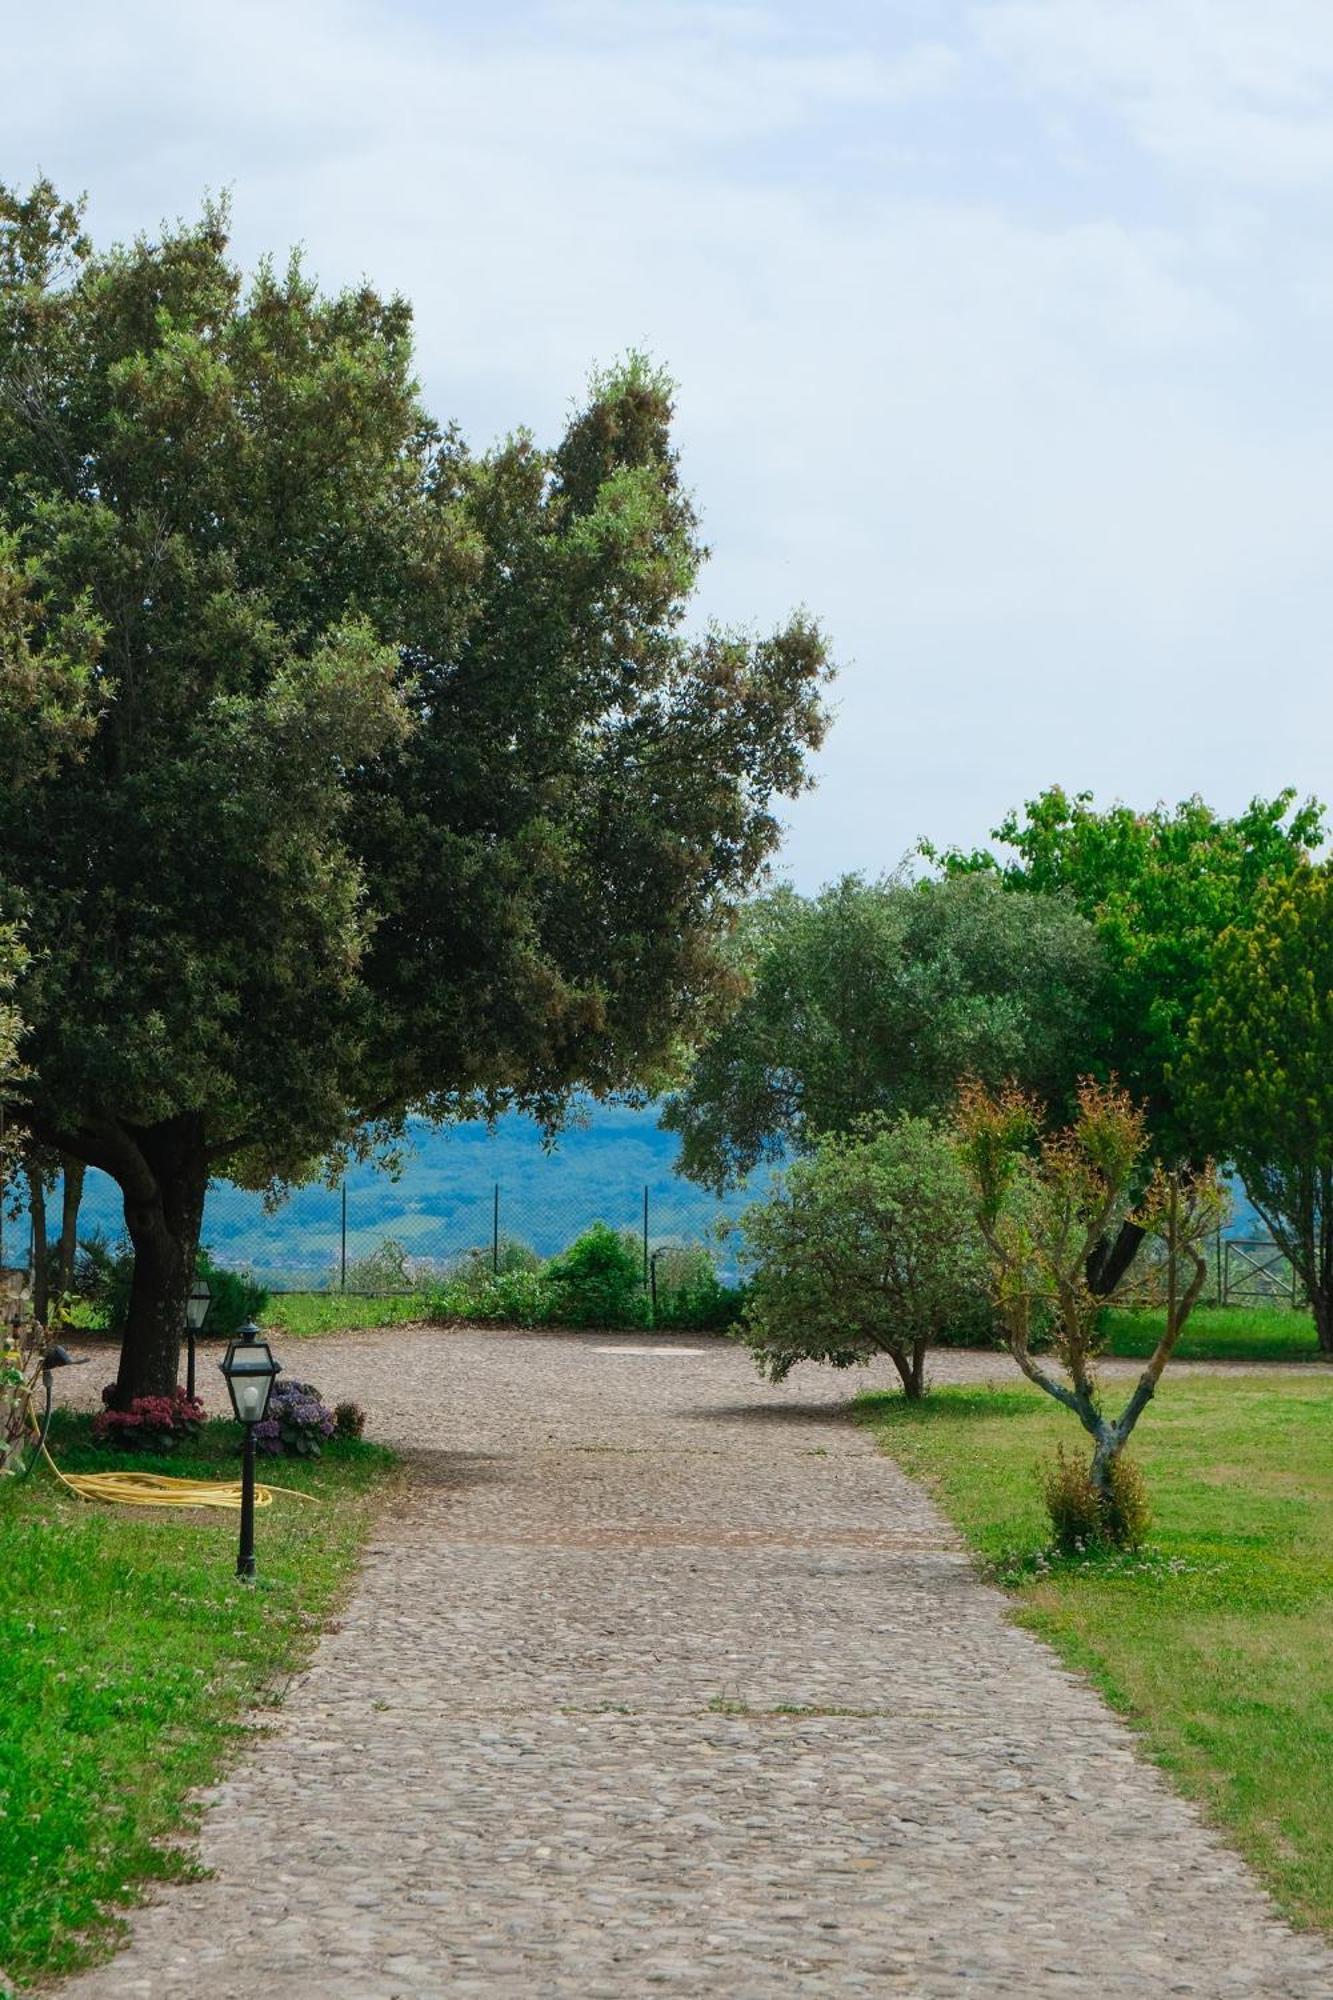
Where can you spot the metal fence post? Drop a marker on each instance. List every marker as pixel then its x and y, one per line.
pixel 1221 1273
pixel 645 1235
pixel 495 1232
pixel 342 1251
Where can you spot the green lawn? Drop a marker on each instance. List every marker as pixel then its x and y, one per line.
pixel 1220 1333
pixel 1215 1640
pixel 304 1315
pixel 130 1651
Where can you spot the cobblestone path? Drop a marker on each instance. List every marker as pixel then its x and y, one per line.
pixel 662 1681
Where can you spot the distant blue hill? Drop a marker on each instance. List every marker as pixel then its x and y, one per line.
pixel 443 1203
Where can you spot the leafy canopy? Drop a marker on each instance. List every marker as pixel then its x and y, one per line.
pixel 864 1248
pixel 881 996
pixel 352 769
pixel 1257 1069
pixel 1160 887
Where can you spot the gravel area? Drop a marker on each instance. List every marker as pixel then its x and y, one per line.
pixel 661 1680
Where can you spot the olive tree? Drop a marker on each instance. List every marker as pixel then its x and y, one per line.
pixel 396 781
pixel 881 997
pixel 866 1247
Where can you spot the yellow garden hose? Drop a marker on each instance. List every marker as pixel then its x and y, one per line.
pixel 159 1489
pixel 136 1489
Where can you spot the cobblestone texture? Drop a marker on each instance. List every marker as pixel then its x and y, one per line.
pixel 663 1681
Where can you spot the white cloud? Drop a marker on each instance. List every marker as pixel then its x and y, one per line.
pixel 1050 462
pixel 1230 89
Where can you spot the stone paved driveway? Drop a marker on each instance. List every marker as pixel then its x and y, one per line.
pixel 662 1681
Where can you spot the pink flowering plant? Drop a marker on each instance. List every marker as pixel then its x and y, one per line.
pixel 298 1423
pixel 151 1423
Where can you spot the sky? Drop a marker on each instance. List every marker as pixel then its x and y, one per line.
pixel 1001 331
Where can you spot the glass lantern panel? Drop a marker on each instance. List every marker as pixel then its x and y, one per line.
pixel 251 1394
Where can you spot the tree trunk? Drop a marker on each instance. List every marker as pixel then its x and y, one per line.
pixel 1104 1456
pixel 1321 1304
pixel 1112 1258
pixel 911 1366
pixel 71 1195
pixel 163 1212
pixel 41 1284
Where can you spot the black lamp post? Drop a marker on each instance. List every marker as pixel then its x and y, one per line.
pixel 249 1369
pixel 198 1305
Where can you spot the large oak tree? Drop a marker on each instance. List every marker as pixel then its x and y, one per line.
pixel 371 772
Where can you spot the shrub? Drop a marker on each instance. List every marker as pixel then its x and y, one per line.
pixel 514 1255
pixel 865 1248
pixel 598 1281
pixel 520 1298
pixel 151 1423
pixel 387 1268
pixel 236 1296
pixel 349 1420
pixel 104 1272
pixel 1081 1519
pixel 688 1294
pixel 297 1424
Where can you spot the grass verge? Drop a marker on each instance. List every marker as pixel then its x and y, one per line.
pixel 130 1656
pixel 1213 1639
pixel 1219 1333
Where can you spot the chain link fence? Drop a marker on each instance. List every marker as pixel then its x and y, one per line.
pixel 377 1234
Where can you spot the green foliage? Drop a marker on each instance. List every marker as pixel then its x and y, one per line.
pixel 1084 1519
pixel 514 1255
pixel 104 1272
pixel 881 997
pixel 687 1293
pixel 300 659
pixel 308 1315
pixel 512 1298
pixel 384 1269
pixel 598 1281
pixel 1043 1200
pixel 1257 1069
pixel 864 1248
pixel 1160 887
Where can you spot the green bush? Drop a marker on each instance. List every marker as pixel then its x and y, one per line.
pixel 598 1281
pixel 383 1269
pixel 864 1248
pixel 689 1296
pixel 513 1255
pixel 1081 1519
pixel 104 1272
pixel 518 1298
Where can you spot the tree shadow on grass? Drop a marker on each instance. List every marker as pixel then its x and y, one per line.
pixel 952 1404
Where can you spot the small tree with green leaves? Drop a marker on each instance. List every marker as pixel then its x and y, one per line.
pixel 1159 887
pixel 1042 1201
pixel 1257 1070
pixel 865 1248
